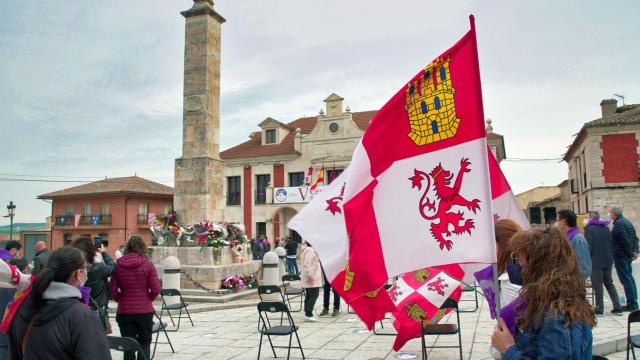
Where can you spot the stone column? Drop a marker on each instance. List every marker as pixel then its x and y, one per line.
pixel 199 173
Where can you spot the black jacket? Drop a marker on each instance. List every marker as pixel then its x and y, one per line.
pixel 63 328
pixel 625 241
pixel 292 247
pixel 40 261
pixel 97 279
pixel 600 245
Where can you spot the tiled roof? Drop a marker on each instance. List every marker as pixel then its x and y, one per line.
pixel 625 115
pixel 254 148
pixel 123 185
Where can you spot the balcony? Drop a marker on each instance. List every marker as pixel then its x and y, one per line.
pixel 143 219
pixel 64 220
pixel 85 220
pixel 104 219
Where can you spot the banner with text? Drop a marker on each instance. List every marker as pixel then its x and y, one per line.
pixel 298 194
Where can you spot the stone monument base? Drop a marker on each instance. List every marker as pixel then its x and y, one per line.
pixel 203 267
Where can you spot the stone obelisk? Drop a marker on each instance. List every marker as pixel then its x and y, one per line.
pixel 199 172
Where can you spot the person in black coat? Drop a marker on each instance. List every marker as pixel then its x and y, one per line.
pixel 625 250
pixel 52 323
pixel 598 237
pixel 41 258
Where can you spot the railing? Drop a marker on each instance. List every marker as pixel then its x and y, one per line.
pixel 64 220
pixel 143 219
pixel 104 219
pixel 86 219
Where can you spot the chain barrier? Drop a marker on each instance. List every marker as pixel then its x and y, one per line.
pixel 198 285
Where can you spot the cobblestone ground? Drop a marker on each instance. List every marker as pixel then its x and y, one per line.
pixel 232 334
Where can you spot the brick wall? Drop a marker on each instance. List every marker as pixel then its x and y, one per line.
pixel 619 158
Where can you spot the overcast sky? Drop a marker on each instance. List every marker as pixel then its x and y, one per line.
pixel 93 89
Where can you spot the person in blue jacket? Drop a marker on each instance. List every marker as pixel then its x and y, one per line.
pixel 555 319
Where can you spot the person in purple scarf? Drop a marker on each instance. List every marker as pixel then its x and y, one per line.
pixel 567 223
pixel 601 250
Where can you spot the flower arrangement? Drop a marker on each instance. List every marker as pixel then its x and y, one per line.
pixel 249 280
pixel 233 283
pixel 206 233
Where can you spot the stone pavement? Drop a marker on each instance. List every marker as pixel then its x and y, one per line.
pixel 232 334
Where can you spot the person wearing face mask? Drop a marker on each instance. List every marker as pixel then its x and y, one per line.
pixel 52 323
pixel 601 252
pixel 568 224
pixel 134 286
pixel 556 319
pixel 510 282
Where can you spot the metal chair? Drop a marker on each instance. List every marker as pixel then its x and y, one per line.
pixel 265 308
pixel 177 306
pixel 598 357
pixel 589 291
pixel 126 344
pixel 443 329
pixel 157 328
pixel 633 341
pixel 468 288
pixel 292 292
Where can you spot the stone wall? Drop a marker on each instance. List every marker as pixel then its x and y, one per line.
pixel 626 197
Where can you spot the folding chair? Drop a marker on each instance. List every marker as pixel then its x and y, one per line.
pixel 598 357
pixel 468 288
pixel 126 344
pixel 589 290
pixel 292 292
pixel 265 308
pixel 177 306
pixel 270 290
pixel 443 329
pixel 157 328
pixel 633 341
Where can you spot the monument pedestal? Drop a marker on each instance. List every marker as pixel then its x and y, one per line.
pixel 200 265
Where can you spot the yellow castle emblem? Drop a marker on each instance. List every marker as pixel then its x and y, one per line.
pixel 430 105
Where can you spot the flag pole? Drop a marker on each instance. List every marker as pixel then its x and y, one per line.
pixel 496 287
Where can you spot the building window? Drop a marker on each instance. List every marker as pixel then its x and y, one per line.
pixel 67 239
pixel 271 136
pixel 261 229
pixel 333 127
pixel 104 209
pixel 534 215
pixel 68 209
pixel 549 215
pixel 143 213
pixel 86 209
pixel 296 179
pixel 333 174
pixel 262 181
pixel 233 190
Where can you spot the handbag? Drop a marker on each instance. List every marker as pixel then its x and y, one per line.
pixel 103 315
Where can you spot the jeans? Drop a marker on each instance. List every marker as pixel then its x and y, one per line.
pixel 598 277
pixel 326 292
pixel 623 268
pixel 138 327
pixel 310 297
pixel 292 265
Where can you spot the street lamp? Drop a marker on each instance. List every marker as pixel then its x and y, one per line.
pixel 11 209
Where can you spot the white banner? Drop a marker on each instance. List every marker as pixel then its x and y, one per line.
pixel 298 194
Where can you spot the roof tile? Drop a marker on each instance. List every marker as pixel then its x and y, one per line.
pixel 122 185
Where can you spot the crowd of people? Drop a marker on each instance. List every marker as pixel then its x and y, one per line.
pixel 544 269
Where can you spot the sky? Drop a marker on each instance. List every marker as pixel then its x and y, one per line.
pixel 94 89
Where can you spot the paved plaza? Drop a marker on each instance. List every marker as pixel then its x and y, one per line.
pixel 232 334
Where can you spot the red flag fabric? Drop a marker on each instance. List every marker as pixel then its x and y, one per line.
pixel 416 193
pixel 309 177
pixel 319 179
pixel 418 296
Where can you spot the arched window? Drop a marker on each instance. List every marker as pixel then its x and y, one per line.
pixel 424 107
pixel 443 74
pixel 436 103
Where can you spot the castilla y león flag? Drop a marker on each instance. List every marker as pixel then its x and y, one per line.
pixel 417 191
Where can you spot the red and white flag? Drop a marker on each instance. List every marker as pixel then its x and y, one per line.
pixel 418 296
pixel 417 192
pixel 309 177
pixel 319 179
pixel 505 205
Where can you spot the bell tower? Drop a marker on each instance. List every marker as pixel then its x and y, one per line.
pixel 199 172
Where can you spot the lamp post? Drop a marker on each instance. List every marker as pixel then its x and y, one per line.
pixel 11 209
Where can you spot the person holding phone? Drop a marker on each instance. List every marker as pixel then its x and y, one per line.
pixel 98 275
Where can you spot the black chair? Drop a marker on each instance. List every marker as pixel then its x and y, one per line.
pixel 469 288
pixel 633 341
pixel 177 306
pixel 292 292
pixel 443 329
pixel 589 290
pixel 269 290
pixel 126 344
pixel 157 328
pixel 284 329
pixel 598 357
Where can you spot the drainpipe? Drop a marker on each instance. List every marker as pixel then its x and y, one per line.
pixel 126 227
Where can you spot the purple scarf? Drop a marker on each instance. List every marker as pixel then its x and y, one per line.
pixel 597 221
pixel 573 232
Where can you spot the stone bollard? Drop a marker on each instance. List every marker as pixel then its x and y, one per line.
pixel 635 271
pixel 270 272
pixel 282 253
pixel 171 277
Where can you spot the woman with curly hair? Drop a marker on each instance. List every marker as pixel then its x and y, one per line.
pixel 556 319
